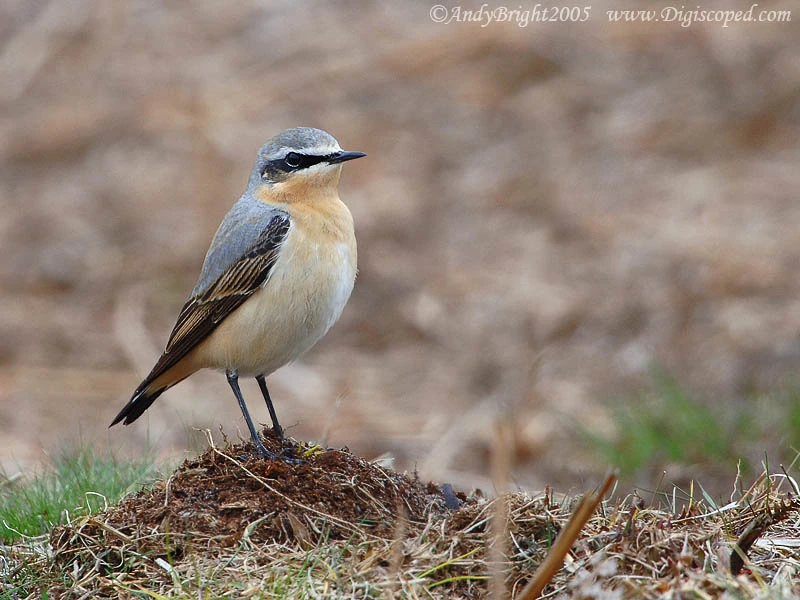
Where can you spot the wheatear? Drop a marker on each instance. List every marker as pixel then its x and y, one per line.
pixel 277 275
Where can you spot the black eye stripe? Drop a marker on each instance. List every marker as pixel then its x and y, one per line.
pixel 298 161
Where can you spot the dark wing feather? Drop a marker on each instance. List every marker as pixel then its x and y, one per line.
pixel 203 313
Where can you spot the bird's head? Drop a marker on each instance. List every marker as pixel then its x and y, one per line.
pixel 299 160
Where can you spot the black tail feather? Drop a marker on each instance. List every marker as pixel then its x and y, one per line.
pixel 140 402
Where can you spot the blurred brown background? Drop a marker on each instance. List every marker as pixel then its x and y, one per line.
pixel 545 214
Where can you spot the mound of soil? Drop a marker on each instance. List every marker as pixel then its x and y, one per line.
pixel 231 507
pixel 230 493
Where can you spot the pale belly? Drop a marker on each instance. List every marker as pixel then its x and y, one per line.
pixel 287 316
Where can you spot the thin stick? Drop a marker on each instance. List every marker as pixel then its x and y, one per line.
pixel 553 561
pixel 501 471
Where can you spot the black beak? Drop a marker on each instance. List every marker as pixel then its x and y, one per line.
pixel 340 157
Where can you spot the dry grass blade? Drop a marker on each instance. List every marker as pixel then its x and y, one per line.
pixel 501 471
pixel 555 558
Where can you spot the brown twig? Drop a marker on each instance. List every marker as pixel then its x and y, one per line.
pixel 755 529
pixel 555 558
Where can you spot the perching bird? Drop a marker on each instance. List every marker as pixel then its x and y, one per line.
pixel 277 276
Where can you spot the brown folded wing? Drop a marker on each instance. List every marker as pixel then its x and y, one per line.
pixel 203 313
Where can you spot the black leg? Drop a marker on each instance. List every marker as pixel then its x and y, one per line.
pixel 276 427
pixel 233 380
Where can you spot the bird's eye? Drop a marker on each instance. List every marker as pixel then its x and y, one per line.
pixel 293 160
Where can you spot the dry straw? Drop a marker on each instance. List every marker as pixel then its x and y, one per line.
pixel 228 524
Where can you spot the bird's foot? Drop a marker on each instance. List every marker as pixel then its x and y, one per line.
pixel 287 456
pixel 293 460
pixel 262 451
